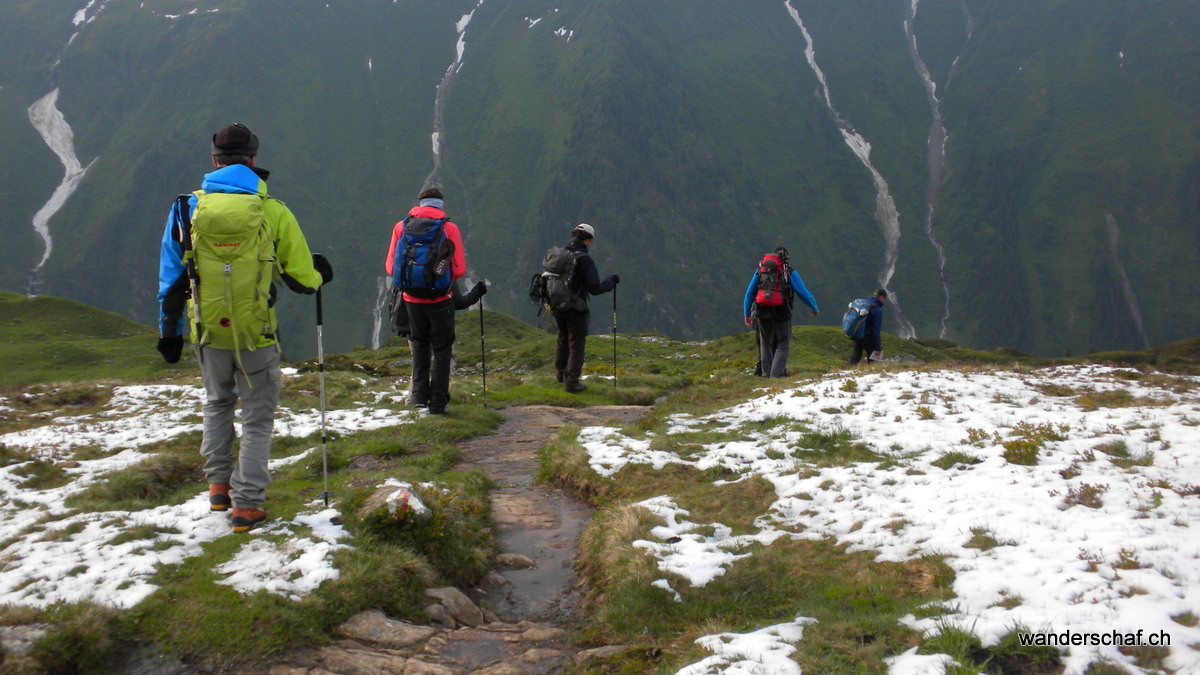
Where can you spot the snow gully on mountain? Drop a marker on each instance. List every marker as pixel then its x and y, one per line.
pixel 54 130
pixel 885 207
pixel 52 126
pixel 439 103
pixel 1135 312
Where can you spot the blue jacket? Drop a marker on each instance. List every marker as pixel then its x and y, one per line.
pixel 873 337
pixel 794 281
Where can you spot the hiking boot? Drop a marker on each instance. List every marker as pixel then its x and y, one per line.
pixel 218 497
pixel 437 411
pixel 418 403
pixel 245 520
pixel 575 387
pixel 560 377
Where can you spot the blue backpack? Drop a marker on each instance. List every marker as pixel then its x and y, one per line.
pixel 854 324
pixel 422 264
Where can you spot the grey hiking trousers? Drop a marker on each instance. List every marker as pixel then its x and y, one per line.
pixel 258 387
pixel 774 345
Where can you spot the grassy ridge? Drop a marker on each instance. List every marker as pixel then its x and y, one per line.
pixel 49 339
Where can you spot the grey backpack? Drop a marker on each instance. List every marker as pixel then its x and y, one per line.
pixel 558 275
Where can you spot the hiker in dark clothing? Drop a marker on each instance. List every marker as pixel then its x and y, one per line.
pixel 573 323
pixel 461 299
pixel 767 305
pixel 871 342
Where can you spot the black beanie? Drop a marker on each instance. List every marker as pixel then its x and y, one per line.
pixel 234 139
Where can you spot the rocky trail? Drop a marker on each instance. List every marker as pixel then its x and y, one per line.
pixel 522 618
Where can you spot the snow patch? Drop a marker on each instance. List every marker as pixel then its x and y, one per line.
pixel 767 650
pixel 1093 537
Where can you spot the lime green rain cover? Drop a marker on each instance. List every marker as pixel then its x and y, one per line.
pixel 235 260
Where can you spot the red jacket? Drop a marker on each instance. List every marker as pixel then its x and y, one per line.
pixel 458 263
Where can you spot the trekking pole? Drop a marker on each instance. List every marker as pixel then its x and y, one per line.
pixel 321 377
pixel 614 329
pixel 482 353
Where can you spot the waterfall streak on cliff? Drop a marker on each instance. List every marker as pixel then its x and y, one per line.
pixel 886 214
pixel 383 288
pixel 936 153
pixel 443 88
pixel 1130 299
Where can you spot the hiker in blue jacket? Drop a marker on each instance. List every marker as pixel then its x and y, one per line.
pixel 871 342
pixel 233 368
pixel 767 305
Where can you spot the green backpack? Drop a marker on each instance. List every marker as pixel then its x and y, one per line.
pixel 234 259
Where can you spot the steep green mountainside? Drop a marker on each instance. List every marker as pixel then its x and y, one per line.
pixel 694 136
pixel 335 94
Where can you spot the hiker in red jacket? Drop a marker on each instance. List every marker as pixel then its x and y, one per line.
pixel 427 285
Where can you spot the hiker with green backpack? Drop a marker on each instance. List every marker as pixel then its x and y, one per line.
pixel 767 306
pixel 223 248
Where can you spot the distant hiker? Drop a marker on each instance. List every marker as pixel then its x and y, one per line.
pixel 767 305
pixel 425 257
pixel 581 278
pixel 868 336
pixel 237 242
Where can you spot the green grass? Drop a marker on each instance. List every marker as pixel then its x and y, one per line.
pixel 48 339
pixel 172 475
pixel 856 601
pixel 388 567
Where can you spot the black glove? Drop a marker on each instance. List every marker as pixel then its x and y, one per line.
pixel 616 279
pixel 479 290
pixel 171 348
pixel 321 264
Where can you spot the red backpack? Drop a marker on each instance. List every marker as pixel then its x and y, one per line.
pixel 773 286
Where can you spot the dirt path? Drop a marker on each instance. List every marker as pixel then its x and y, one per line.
pixel 530 605
pixel 537 523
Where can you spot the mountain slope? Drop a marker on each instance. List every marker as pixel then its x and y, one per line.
pixel 694 135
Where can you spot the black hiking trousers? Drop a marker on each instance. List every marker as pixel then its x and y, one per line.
pixel 432 326
pixel 572 338
pixel 862 349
